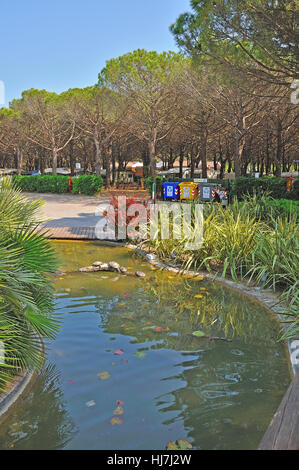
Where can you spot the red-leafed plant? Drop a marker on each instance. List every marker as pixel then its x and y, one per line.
pixel 120 217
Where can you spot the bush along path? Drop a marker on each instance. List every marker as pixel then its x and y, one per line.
pixel 84 184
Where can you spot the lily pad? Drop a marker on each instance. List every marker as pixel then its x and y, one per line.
pixel 114 421
pixel 198 334
pixel 180 444
pixel 140 354
pixel 104 375
pixel 118 352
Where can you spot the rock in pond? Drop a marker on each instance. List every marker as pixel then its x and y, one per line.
pixel 140 274
pixel 98 264
pixel 123 270
pixel 89 269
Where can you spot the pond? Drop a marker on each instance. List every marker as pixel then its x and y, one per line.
pixel 125 371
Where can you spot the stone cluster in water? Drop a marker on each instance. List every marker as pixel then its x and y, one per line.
pixel 110 267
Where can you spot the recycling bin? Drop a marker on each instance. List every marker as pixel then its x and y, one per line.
pixel 171 191
pixel 206 192
pixel 188 191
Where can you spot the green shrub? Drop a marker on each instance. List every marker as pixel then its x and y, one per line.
pixel 149 184
pixel 266 208
pixel 284 207
pixel 87 184
pixel 276 187
pixel 42 183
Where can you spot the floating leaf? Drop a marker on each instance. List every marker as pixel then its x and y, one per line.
pixel 140 354
pixel 121 304
pixel 180 444
pixel 199 296
pixel 104 375
pixel 114 421
pixel 118 352
pixel 198 334
pixel 119 410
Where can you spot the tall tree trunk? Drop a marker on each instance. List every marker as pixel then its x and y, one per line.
pixel 98 160
pixel 19 160
pixel 54 160
pixel 152 154
pixel 113 168
pixel 108 166
pixel 278 148
pixel 203 150
pixel 192 162
pixel 181 161
pixel 239 147
pixel 72 161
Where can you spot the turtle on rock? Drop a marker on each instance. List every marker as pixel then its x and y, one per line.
pixel 113 266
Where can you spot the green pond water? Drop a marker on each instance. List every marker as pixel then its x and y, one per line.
pixel 125 371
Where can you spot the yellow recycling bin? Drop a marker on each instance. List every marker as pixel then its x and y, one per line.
pixel 188 191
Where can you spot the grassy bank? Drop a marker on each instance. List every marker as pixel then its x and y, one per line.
pixel 253 240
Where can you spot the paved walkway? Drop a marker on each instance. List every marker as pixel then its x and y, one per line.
pixel 70 216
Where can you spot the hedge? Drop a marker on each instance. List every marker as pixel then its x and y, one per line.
pixel 85 184
pixel 275 187
pixel 42 183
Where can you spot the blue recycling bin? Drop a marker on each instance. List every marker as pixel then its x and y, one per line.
pixel 171 191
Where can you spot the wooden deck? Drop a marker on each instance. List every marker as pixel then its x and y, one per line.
pixel 71 233
pixel 283 432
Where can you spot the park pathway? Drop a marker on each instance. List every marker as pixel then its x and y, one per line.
pixel 70 217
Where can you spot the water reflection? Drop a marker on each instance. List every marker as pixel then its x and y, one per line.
pixel 42 421
pixel 215 394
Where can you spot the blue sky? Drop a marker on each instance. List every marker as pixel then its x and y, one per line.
pixel 64 44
